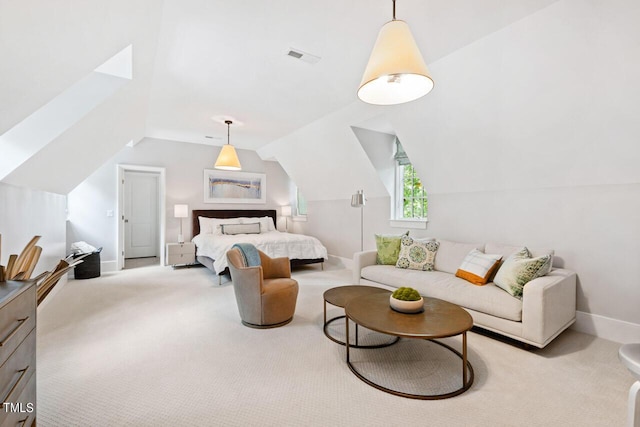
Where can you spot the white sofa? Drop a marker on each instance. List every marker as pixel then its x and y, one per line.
pixel 547 308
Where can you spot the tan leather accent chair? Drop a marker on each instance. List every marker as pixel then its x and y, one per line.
pixel 266 294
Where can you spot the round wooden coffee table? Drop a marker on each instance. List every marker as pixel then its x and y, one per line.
pixel 339 297
pixel 440 319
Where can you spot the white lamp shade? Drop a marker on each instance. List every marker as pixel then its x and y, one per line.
pixel 181 211
pixel 228 159
pixel 358 200
pixel 286 210
pixel 396 72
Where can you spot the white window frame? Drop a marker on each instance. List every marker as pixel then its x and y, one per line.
pixel 399 221
pixel 299 216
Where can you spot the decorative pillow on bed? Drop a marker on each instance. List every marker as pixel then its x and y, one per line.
pixel 417 255
pixel 519 269
pixel 231 229
pixel 477 267
pixel 388 247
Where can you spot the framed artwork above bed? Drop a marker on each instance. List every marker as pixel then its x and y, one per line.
pixel 234 187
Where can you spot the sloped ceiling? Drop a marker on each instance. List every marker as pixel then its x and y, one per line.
pixel 198 59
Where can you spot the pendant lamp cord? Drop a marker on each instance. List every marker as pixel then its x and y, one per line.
pixel 228 122
pixel 394 10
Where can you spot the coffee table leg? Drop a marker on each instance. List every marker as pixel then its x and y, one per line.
pixel 346 341
pixel 325 312
pixel 464 358
pixel 356 334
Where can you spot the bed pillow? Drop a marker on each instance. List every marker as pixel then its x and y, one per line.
pixel 231 229
pixel 388 247
pixel 519 269
pixel 477 267
pixel 207 225
pixel 265 224
pixel 417 255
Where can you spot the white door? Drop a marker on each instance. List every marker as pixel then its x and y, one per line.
pixel 141 215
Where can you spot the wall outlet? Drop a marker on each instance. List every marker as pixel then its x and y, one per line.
pixel 110 213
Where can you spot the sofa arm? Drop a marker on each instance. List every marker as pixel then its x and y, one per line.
pixel 361 260
pixel 548 305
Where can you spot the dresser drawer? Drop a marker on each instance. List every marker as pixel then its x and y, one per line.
pixel 23 411
pixel 174 259
pixel 181 248
pixel 17 319
pixel 16 372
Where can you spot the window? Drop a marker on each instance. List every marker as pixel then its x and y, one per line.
pixel 410 197
pixel 301 204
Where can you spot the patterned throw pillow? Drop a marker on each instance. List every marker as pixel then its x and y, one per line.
pixel 232 229
pixel 477 267
pixel 519 269
pixel 388 247
pixel 417 255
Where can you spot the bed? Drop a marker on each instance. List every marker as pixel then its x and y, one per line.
pixel 211 248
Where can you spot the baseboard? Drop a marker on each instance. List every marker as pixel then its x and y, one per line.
pixel 107 266
pixel 340 261
pixel 606 327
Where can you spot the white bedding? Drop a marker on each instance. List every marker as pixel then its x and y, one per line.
pixel 274 243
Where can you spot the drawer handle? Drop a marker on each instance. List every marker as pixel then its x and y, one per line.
pixel 21 372
pixel 15 330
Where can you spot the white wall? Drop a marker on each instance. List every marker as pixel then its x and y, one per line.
pixel 530 137
pixel 184 164
pixel 26 213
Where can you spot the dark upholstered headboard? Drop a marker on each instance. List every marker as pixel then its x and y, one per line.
pixel 231 213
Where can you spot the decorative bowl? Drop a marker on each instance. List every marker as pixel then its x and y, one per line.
pixel 406 306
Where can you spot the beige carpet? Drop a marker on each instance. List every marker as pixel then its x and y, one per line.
pixel 160 347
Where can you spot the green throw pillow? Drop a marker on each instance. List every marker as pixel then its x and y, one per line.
pixel 388 248
pixel 417 255
pixel 519 269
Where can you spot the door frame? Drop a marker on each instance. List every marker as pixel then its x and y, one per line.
pixel 121 169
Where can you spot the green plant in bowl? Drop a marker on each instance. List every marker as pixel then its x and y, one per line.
pixel 406 294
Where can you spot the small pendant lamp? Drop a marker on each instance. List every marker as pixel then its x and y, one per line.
pixel 396 72
pixel 228 159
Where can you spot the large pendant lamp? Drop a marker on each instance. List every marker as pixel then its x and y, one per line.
pixel 228 159
pixel 396 72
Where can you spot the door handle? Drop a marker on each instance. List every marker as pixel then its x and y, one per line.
pixel 126 220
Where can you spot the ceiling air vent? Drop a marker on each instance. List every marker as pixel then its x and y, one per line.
pixel 303 56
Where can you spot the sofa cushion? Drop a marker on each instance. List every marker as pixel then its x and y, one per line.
pixel 487 299
pixel 451 254
pixel 388 248
pixel 508 250
pixel 477 267
pixel 519 269
pixel 417 255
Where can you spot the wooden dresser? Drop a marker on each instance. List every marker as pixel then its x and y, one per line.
pixel 17 353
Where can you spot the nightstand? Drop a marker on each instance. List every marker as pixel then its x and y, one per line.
pixel 180 253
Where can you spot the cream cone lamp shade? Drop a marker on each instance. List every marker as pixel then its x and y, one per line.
pixel 396 72
pixel 228 159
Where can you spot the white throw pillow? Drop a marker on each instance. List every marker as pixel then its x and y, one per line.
pixel 478 267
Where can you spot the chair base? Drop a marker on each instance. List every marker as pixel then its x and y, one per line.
pixel 275 325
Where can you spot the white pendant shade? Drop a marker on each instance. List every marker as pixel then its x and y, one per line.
pixel 228 159
pixel 396 72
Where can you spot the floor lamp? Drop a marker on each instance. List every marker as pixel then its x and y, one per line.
pixel 358 201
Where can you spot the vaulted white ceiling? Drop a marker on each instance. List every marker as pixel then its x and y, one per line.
pixel 228 58
pixel 198 59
